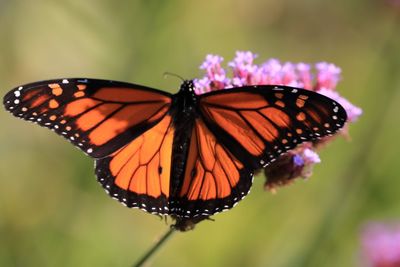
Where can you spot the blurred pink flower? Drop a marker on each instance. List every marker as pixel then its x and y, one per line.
pixel 393 4
pixel 328 76
pixel 381 245
pixel 305 76
pixel 323 78
pixel 245 72
pixel 243 67
pixel 215 75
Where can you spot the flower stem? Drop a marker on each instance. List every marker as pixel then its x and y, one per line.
pixel 155 247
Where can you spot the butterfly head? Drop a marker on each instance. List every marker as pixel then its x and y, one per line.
pixel 188 90
pixel 186 97
pixel 187 86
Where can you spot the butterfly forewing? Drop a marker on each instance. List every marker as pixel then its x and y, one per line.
pixel 259 123
pixel 98 116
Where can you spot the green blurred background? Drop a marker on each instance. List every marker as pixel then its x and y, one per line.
pixel 54 213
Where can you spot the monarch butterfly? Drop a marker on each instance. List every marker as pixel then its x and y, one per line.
pixel 184 154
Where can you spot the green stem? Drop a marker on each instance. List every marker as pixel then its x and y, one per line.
pixel 155 247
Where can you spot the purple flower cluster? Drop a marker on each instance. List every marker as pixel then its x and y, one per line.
pixel 381 245
pixel 323 78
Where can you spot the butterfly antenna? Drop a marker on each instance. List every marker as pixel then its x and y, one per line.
pixel 166 74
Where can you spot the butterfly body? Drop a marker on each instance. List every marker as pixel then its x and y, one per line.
pixel 185 155
pixel 183 111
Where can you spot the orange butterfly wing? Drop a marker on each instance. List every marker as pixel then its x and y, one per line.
pixel 98 116
pixel 138 174
pixel 259 123
pixel 214 179
pixel 244 129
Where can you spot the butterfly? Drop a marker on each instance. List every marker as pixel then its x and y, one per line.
pixel 180 154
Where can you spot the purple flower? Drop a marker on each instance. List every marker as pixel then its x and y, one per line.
pixel 242 66
pixel 215 78
pixel 272 72
pixel 381 245
pixel 211 61
pixel 328 75
pixel 304 75
pixel 202 85
pixel 289 75
pixel 298 161
pixel 309 156
pixel 323 78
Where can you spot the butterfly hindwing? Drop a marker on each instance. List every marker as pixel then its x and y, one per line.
pixel 259 123
pixel 98 116
pixel 214 180
pixel 138 175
